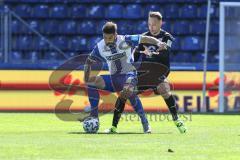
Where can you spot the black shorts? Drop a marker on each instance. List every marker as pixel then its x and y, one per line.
pixel 150 85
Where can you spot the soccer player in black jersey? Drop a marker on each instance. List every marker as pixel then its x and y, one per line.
pixel 152 72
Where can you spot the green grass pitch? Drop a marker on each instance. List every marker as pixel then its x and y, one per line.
pixel 43 136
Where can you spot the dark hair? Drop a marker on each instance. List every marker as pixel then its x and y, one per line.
pixel 109 28
pixel 157 15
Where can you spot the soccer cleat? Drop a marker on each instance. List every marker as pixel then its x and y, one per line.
pixel 180 125
pixel 112 130
pixel 147 128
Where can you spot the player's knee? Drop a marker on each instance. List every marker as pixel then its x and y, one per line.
pixel 98 83
pixel 126 92
pixel 164 90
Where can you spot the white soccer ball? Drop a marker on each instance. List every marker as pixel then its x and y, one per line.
pixel 91 125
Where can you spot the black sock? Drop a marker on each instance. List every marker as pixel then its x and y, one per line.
pixel 119 108
pixel 171 103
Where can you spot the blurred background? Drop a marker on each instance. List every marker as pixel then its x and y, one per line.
pixel 37 36
pixel 74 26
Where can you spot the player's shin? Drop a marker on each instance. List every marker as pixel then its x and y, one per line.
pixel 93 97
pixel 137 105
pixel 119 107
pixel 171 103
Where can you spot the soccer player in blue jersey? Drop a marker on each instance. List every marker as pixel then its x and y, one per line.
pixel 116 51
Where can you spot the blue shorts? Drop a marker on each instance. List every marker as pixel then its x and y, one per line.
pixel 115 83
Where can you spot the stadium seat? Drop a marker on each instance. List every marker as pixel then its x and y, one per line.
pixel 140 27
pixel 60 42
pixel 114 11
pixel 198 27
pixel 181 1
pixel 96 11
pixel 198 57
pixel 171 11
pixel 82 1
pixel 87 27
pixel 1 56
pixel 72 54
pixel 51 56
pixel 182 57
pixel 24 43
pixel 203 11
pixel 93 41
pixel 152 7
pixel 16 56
pixel 213 58
pixel 79 11
pixel 133 11
pixel 127 1
pixel 197 1
pixel 125 27
pixel 188 11
pixel 100 25
pixel 59 11
pixel 192 43
pixel 78 44
pixel 172 57
pixel 50 27
pixel 16 26
pixel 33 1
pixel 68 27
pixel 34 25
pixel 40 11
pixel 214 27
pixel 176 45
pixel 32 56
pixel 181 27
pixel 213 43
pixel 167 26
pixel 23 10
pixel 40 44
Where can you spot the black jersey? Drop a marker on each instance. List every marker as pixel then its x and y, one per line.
pixel 163 56
pixel 157 66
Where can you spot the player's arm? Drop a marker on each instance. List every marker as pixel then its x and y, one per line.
pixel 134 40
pixel 87 69
pixel 153 41
pixel 92 58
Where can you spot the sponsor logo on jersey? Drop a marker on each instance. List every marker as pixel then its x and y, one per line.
pixel 116 56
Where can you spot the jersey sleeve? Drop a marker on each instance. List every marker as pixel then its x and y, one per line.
pixel 95 55
pixel 168 39
pixel 132 40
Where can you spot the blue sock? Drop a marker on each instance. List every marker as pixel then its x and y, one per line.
pixel 93 97
pixel 137 105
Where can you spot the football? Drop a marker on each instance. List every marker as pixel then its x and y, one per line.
pixel 91 125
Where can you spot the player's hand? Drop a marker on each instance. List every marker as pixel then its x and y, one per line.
pixel 92 79
pixel 96 81
pixel 147 51
pixel 162 46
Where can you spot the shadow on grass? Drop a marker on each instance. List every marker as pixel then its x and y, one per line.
pixel 122 133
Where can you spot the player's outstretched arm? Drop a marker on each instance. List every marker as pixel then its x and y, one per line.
pixel 153 41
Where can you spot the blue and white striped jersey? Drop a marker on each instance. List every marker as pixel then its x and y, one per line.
pixel 118 56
